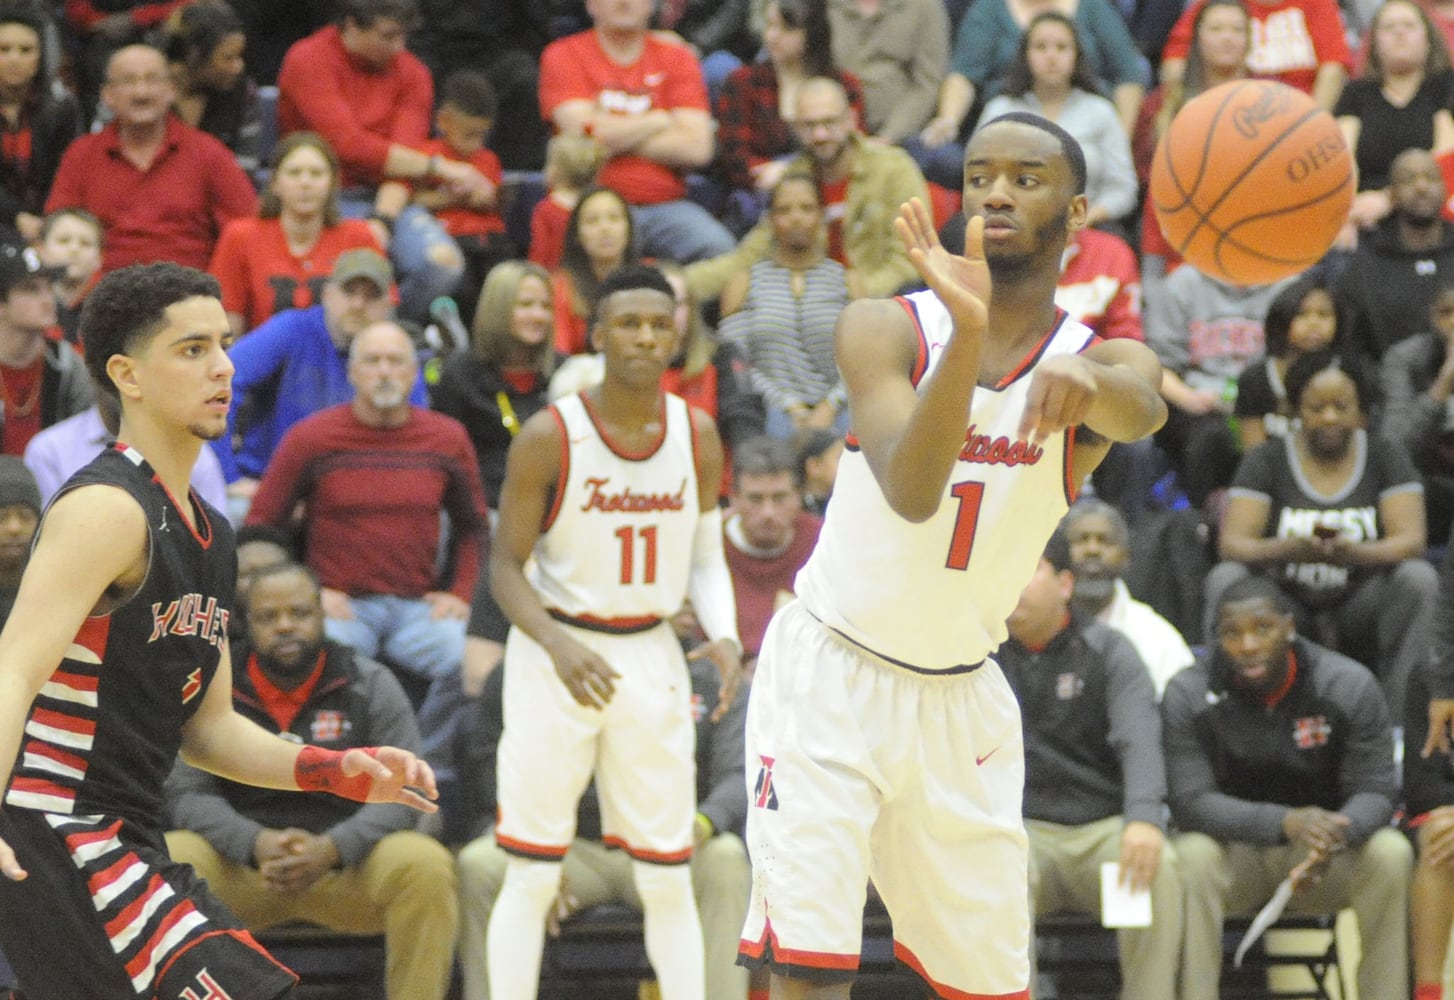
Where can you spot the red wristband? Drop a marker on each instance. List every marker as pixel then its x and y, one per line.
pixel 320 770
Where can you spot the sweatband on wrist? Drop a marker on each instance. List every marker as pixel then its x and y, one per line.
pixel 710 585
pixel 320 770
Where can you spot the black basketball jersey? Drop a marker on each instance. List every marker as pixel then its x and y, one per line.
pixel 105 730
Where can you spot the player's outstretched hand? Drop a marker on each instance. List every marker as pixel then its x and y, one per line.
pixel 1061 392
pixel 589 679
pixel 398 776
pixel 727 655
pixel 9 865
pixel 962 283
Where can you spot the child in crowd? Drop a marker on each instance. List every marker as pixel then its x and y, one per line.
pixel 1301 319
pixel 571 165
pixel 464 119
pixel 71 238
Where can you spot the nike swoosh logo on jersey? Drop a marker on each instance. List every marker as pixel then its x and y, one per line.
pixel 980 760
pixel 652 79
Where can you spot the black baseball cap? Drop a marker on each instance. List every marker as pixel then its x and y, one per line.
pixel 19 262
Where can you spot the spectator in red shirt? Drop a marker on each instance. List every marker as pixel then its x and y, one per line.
pixel 42 380
pixel 1100 284
pixel 768 535
pixel 282 258
pixel 162 188
pixel 1299 42
pixel 466 115
pixel 644 99
pixel 374 475
pixel 354 84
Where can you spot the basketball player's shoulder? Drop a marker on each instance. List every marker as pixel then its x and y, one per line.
pixel 877 332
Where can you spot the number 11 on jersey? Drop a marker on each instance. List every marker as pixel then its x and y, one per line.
pixel 627 535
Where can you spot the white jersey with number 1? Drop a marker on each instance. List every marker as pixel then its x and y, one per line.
pixel 617 543
pixel 935 595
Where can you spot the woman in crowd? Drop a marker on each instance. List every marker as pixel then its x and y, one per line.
pixel 37 119
pixel 280 259
pixel 1302 318
pixel 204 44
pixel 754 114
pixel 1221 40
pixel 598 239
pixel 501 382
pixel 985 46
pixel 1051 78
pixel 1337 518
pixel 1401 101
pixel 781 314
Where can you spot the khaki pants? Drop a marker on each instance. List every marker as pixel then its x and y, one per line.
pixel 405 889
pixel 721 879
pixel 1065 877
pixel 1235 879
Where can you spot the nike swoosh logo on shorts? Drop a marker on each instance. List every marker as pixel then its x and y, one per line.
pixel 980 760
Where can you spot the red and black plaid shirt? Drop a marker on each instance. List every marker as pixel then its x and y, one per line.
pixel 749 129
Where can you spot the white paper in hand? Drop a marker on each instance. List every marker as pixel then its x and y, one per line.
pixel 1120 907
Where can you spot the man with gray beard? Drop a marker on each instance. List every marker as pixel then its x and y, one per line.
pixel 1099 554
pixel 373 475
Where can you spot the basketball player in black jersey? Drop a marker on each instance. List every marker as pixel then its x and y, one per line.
pixel 115 659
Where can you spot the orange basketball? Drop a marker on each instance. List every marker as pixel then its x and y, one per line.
pixel 1252 182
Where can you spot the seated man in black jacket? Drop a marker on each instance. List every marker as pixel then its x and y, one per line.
pixel 1095 782
pixel 274 856
pixel 1280 752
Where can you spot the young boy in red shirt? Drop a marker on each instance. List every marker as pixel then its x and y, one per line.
pixel 464 119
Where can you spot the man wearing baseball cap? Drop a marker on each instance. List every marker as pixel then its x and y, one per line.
pixel 42 379
pixel 300 356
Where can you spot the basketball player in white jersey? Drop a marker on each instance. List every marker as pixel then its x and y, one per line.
pixel 882 741
pixel 613 493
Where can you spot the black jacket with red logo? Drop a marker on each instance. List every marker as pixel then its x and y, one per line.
pixel 1235 765
pixel 356 703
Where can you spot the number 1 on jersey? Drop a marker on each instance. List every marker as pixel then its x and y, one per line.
pixel 627 535
pixel 965 522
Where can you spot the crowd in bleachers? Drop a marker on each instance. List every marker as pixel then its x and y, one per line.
pixel 411 204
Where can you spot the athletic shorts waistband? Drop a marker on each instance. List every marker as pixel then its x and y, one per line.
pixel 963 668
pixel 611 626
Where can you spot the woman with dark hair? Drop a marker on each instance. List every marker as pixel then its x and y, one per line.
pixel 1221 40
pixel 501 382
pixel 1336 517
pixel 781 314
pixel 754 114
pixel 1400 101
pixel 204 45
pixel 1302 318
pixel 37 120
pixel 1050 77
pixel 599 238
pixel 281 259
